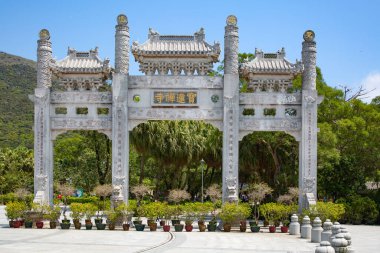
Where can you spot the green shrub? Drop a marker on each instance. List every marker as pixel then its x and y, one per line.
pixel 15 210
pixel 362 210
pixel 203 209
pixel 233 212
pixel 325 210
pixel 273 212
pixel 77 210
pixel 11 197
pixel 83 200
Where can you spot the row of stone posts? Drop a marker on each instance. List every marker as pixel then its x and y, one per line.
pixel 332 237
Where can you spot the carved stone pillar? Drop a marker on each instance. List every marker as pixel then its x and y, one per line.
pixel 122 45
pixel 120 134
pixel 43 148
pixel 308 145
pixel 231 112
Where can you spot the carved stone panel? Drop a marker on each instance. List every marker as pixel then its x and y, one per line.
pixel 81 123
pixel 81 97
pixel 174 114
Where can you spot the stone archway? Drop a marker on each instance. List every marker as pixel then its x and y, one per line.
pixel 175 86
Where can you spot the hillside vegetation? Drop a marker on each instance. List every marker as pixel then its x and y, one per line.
pixel 17 81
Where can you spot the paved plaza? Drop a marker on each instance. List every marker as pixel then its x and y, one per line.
pixel 365 239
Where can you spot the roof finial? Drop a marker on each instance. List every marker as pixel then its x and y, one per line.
pixel 44 34
pixel 122 19
pixel 152 33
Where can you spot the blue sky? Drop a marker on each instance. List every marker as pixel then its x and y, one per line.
pixel 347 32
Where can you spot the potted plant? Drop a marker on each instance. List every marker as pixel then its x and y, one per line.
pixel 23 195
pixel 167 214
pixel 103 191
pixel 112 217
pixel 65 190
pixel 176 196
pixel 138 221
pixel 152 211
pixel 272 212
pixel 189 209
pixel 77 214
pixel 39 214
pixel 52 214
pixel 89 210
pixel 256 194
pixel 214 192
pixel 140 191
pixel 28 218
pixel 201 210
pixel 14 211
pixel 228 215
pixel 243 213
pixel 126 213
pixel 288 200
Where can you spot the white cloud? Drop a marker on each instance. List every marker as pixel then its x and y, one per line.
pixel 371 83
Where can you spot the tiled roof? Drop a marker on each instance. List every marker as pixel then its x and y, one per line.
pixel 266 63
pixel 176 46
pixel 82 62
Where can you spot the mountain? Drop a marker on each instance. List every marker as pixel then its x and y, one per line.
pixel 18 78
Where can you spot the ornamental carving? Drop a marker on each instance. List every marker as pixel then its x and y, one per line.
pixel 42 181
pixel 270 85
pixel 85 124
pixel 309 184
pixel 176 68
pixel 81 97
pixel 309 99
pixel 43 64
pixel 231 188
pixel 287 99
pixel 122 49
pixel 175 114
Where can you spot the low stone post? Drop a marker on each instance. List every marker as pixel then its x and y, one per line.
pixel 316 231
pixel 306 228
pixel 294 227
pixel 335 230
pixel 340 244
pixel 326 234
pixel 347 236
pixel 325 247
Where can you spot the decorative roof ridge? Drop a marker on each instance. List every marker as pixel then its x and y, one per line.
pixel 82 62
pixel 270 63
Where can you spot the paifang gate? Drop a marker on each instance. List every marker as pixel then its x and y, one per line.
pixel 175 87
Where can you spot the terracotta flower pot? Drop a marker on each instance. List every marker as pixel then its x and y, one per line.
pixel 111 226
pixel 202 228
pixel 16 224
pixel 166 228
pixel 189 228
pixel 284 229
pixel 39 224
pixel 272 229
pixel 77 224
pixel 53 224
pixel 126 227
pixel 243 226
pixel 153 226
pixel 227 227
